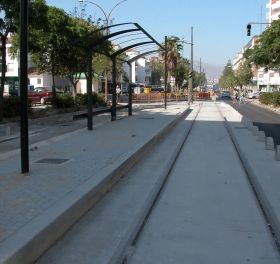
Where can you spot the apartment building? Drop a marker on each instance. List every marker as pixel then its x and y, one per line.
pixel 262 81
pixel 141 71
pixel 273 7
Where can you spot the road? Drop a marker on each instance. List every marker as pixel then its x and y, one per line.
pixel 266 120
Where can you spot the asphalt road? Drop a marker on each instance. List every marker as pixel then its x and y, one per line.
pixel 266 120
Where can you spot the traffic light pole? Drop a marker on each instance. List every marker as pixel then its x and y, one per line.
pixel 248 27
pixel 190 95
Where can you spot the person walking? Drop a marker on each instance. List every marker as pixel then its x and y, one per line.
pixel 234 100
pixel 241 98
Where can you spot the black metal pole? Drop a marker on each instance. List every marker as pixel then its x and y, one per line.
pixel 23 86
pixel 114 98
pixel 130 91
pixel 191 81
pixel 89 90
pixel 165 73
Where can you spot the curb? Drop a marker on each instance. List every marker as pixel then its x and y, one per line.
pixel 32 240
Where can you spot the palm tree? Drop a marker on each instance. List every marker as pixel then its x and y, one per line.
pixel 173 56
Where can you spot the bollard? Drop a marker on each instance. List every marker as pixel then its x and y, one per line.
pixel 249 125
pixel 277 153
pixel 244 120
pixel 269 143
pixel 255 130
pixel 261 136
pixel 5 130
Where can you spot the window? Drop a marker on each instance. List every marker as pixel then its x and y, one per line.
pixel 8 50
pixel 260 75
pixel 39 81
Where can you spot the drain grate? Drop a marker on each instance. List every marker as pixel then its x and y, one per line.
pixel 240 127
pixel 51 161
pixel 146 118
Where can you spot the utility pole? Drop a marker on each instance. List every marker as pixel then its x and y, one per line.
pixel 190 97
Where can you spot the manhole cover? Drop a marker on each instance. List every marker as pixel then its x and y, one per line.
pixel 51 161
pixel 146 118
pixel 240 127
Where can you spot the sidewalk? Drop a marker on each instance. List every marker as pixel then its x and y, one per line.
pixel 68 174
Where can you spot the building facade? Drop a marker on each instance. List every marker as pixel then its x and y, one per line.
pixel 262 81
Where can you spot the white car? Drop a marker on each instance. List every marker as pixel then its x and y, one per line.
pixel 254 95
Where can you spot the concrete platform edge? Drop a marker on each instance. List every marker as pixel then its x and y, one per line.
pixel 33 239
pixel 268 209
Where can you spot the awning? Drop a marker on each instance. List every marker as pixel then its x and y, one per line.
pixel 10 78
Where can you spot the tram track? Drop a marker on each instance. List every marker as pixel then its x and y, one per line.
pixel 127 246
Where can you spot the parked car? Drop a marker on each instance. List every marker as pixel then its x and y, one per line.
pixel 255 95
pixel 226 94
pixel 41 94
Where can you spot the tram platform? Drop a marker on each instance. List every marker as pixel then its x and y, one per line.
pixel 207 207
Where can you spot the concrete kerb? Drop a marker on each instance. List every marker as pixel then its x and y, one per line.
pixel 33 239
pixel 5 130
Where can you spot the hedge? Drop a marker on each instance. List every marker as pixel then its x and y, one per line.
pixel 272 98
pixel 11 106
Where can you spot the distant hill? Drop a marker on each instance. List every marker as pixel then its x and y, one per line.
pixel 211 71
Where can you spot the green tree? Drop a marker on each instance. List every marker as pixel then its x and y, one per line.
pixel 181 72
pixel 244 74
pixel 157 72
pixel 75 57
pixel 227 78
pixel 173 56
pixel 9 23
pixel 50 45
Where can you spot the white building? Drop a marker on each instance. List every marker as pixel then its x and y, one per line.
pixel 35 79
pixel 140 68
pixel 273 7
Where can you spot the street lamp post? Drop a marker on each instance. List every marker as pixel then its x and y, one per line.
pixel 107 31
pixel 190 97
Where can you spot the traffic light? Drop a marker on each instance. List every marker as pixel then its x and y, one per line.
pixel 248 30
pixel 190 75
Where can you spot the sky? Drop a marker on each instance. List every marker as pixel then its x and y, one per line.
pixel 219 26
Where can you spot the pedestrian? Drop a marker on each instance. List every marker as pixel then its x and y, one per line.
pixel 241 97
pixel 234 96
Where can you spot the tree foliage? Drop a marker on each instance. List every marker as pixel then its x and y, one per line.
pixel 227 78
pixel 181 72
pixel 244 74
pixel 157 72
pixel 266 53
pixel 173 56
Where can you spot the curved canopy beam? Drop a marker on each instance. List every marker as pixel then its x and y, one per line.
pixel 100 40
pixel 129 47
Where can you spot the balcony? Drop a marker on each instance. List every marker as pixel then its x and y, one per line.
pixel 268 5
pixel 267 15
pixel 276 5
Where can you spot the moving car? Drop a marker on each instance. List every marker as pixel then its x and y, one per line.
pixel 226 94
pixel 41 94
